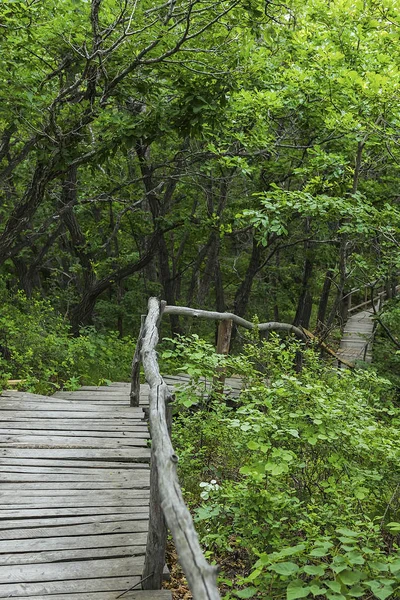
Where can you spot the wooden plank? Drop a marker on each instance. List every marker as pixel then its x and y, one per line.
pixel 73 542
pixel 75 530
pixel 32 441
pixel 36 512
pixel 90 394
pixel 61 425
pixel 25 396
pixel 25 558
pixel 59 463
pixel 56 502
pixel 126 455
pixel 111 417
pixel 64 409
pixel 139 513
pixel 133 595
pixel 41 589
pixel 42 481
pixel 121 567
pixel 78 467
pixel 142 433
pixel 101 388
pixel 24 494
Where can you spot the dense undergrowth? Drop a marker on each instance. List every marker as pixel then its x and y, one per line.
pixel 36 347
pixel 386 354
pixel 298 479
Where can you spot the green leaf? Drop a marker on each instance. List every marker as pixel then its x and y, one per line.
pixel 316 590
pixel 356 591
pixel 333 596
pixel 348 532
pixel 350 577
pixel 334 586
pixel 252 445
pixel 356 558
pixel 379 589
pixel 315 569
pixel 395 566
pixel 393 526
pixel 290 551
pixel 297 589
pixel 284 568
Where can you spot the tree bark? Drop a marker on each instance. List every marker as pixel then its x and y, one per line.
pixel 323 301
pixel 243 292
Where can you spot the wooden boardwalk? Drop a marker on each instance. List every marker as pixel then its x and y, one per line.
pixel 74 471
pixel 356 342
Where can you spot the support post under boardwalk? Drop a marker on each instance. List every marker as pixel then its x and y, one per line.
pixel 153 572
pixel 223 345
pixel 135 374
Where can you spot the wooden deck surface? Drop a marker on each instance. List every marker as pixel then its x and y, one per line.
pixel 357 337
pixel 74 471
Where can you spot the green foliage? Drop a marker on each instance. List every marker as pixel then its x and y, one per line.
pixel 386 355
pixel 37 348
pixel 299 476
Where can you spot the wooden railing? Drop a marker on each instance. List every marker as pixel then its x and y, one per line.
pixel 167 507
pixel 374 296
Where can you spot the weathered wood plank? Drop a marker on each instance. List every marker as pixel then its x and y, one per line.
pixel 41 589
pixel 104 474
pixel 74 542
pixel 64 482
pixel 31 441
pixel 122 567
pixel 75 530
pixel 88 395
pixel 105 493
pixel 56 556
pixel 62 410
pixel 135 594
pixel 101 426
pixel 126 455
pixel 37 512
pixel 56 502
pixel 61 464
pixel 140 513
pixel 140 433
pixel 77 415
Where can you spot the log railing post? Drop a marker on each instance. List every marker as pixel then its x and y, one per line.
pixel 223 345
pixel 135 373
pixel 154 562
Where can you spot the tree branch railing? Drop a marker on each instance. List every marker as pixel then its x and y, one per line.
pixel 167 507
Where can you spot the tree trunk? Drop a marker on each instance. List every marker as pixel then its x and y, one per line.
pixel 243 292
pixel 323 301
pixel 304 304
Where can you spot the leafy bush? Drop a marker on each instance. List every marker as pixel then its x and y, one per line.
pixel 301 474
pixel 36 347
pixel 386 356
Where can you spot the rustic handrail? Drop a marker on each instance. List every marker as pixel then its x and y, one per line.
pixel 226 316
pixel 201 576
pixel 165 491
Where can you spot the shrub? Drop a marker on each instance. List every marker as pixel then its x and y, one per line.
pixel 36 346
pixel 301 475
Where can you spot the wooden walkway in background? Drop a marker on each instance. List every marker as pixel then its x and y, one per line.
pixel 74 495
pixel 356 342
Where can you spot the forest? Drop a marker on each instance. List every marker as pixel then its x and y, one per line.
pixel 234 156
